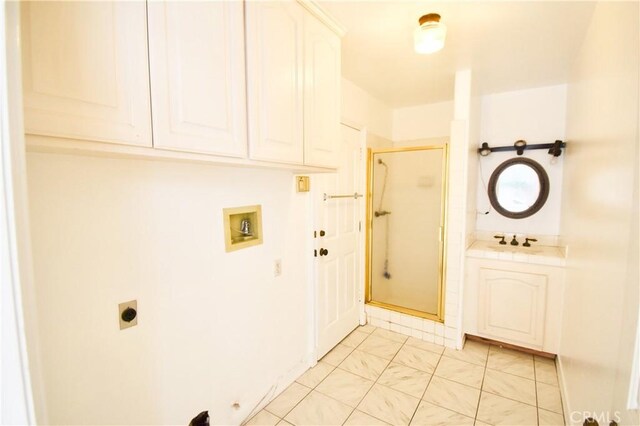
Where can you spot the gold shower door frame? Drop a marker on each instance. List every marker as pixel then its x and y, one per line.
pixel 439 316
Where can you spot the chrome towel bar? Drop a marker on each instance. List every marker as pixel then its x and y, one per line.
pixel 355 196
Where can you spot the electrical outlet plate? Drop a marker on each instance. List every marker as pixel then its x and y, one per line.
pixel 121 307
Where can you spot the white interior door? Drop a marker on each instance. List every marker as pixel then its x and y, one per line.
pixel 338 268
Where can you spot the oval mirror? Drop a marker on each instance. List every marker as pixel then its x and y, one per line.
pixel 518 188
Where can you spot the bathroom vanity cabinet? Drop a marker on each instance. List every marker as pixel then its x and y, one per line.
pixel 515 301
pixel 239 82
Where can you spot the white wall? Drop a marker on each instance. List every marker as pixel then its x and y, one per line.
pixel 362 109
pixel 422 121
pixel 537 116
pixel 600 218
pixel 214 328
pixel 461 147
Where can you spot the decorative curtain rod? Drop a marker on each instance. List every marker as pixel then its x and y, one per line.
pixel 520 146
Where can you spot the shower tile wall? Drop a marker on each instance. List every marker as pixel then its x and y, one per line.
pixel 424 329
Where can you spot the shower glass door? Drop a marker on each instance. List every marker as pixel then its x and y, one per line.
pixel 406 201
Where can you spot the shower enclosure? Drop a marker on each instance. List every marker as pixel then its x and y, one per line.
pixel 406 228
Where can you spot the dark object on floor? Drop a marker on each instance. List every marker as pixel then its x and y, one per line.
pixel 201 419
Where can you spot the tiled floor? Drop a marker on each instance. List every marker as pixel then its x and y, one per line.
pixel 378 377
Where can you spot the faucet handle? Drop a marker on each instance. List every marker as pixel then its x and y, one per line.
pixel 526 242
pixel 502 241
pixel 514 242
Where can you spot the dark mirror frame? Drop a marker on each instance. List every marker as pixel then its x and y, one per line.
pixel 542 196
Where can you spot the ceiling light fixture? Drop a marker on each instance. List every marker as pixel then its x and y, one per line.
pixel 429 36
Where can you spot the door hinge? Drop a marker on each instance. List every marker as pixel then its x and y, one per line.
pixel 315 234
pixel 360 226
pixel 315 253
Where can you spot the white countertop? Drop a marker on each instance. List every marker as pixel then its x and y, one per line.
pixel 536 254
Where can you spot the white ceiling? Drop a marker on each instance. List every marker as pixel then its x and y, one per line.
pixel 509 45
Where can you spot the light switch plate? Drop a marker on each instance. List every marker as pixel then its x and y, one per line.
pixel 302 183
pixel 121 308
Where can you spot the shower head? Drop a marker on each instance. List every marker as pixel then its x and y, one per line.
pixel 382 162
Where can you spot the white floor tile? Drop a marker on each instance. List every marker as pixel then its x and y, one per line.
pixel 384 348
pixel 460 371
pixel 549 397
pixel 405 379
pixel 454 396
pixel 358 418
pixel 345 387
pixel 496 410
pixel 389 405
pixel 287 399
pixel 367 328
pixel 546 372
pixel 510 386
pixel 417 358
pixel 337 355
pixel 315 375
pixel 507 362
pixel 391 335
pixel 473 352
pixel 355 338
pixel 549 418
pixel 432 415
pixel 318 409
pixel 263 418
pixel 364 365
pixel 425 346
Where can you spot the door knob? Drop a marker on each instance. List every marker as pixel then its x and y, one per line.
pixel 322 233
pixel 324 252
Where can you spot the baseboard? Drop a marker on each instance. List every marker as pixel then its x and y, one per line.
pixel 277 388
pixel 564 393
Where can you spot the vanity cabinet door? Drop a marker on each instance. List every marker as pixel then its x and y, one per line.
pixel 322 94
pixel 196 56
pixel 275 36
pixel 85 71
pixel 511 306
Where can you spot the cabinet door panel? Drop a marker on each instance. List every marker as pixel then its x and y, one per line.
pixel 275 76
pixel 85 71
pixel 511 306
pixel 322 94
pixel 197 76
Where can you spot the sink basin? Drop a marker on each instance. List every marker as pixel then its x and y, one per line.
pixel 541 254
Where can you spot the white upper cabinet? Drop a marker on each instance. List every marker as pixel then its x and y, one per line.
pixel 275 62
pixel 196 56
pixel 85 71
pixel 322 94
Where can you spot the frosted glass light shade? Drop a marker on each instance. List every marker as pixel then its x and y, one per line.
pixel 429 37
